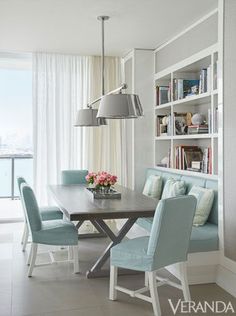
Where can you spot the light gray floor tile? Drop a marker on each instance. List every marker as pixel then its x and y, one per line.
pixel 55 291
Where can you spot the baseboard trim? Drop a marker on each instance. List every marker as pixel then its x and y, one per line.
pixel 226 279
pixel 201 267
pixel 197 274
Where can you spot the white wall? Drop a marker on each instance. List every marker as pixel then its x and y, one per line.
pixel 227 29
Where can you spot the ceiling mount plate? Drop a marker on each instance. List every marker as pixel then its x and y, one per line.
pixel 103 17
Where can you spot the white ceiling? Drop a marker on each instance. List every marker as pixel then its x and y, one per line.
pixel 70 26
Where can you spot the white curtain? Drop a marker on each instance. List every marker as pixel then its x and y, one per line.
pixel 61 85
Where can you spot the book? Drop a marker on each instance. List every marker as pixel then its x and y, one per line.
pixel 198 129
pixel 188 85
pixel 215 74
pixel 185 154
pixel 162 94
pixel 208 79
pixel 183 88
pixel 207 160
pixel 216 119
pixel 191 155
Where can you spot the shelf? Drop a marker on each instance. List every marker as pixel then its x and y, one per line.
pixel 195 136
pixel 163 106
pixel 163 137
pixel 186 64
pixel 188 68
pixel 188 173
pixel 199 99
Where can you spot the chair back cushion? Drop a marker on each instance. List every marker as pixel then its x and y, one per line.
pixel 20 180
pixel 31 208
pixel 205 198
pixel 73 177
pixel 171 230
pixel 173 188
pixel 153 186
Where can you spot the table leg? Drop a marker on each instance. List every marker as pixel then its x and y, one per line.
pixel 90 235
pixel 96 270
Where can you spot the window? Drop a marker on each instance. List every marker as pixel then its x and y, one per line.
pixel 16 145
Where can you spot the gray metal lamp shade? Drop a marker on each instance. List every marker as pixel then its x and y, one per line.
pixel 88 117
pixel 118 106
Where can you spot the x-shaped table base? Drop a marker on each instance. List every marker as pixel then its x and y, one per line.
pixel 96 270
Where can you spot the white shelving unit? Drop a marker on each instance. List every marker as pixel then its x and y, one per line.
pixel 188 68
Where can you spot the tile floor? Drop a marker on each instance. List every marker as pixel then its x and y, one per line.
pixel 56 291
pixel 10 209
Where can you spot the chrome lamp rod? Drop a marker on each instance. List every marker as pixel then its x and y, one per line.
pixel 122 87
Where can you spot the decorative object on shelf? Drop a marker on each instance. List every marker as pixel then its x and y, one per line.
pixel 181 123
pixel 100 183
pixel 198 119
pixel 165 161
pixel 163 125
pixel 113 105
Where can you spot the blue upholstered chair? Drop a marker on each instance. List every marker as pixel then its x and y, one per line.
pixel 69 177
pixel 54 232
pixel 47 213
pixel 168 244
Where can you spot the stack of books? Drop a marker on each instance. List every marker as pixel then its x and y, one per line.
pixel 198 129
pixel 193 158
pixel 185 155
pixel 183 88
pixel 207 160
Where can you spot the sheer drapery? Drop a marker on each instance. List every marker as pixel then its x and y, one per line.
pixel 61 85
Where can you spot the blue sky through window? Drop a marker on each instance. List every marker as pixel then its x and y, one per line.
pixel 16 109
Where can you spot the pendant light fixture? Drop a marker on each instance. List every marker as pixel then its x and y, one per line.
pixel 88 117
pixel 117 106
pixel 114 104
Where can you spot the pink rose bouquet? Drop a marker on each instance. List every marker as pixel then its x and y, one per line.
pixel 90 178
pixel 101 179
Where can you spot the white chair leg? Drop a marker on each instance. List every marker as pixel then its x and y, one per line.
pixel 146 279
pixel 153 293
pixel 26 237
pixel 70 252
pixel 23 235
pixel 184 281
pixel 29 257
pixel 113 283
pixel 33 258
pixel 76 259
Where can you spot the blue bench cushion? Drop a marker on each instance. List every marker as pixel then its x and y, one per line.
pixel 203 238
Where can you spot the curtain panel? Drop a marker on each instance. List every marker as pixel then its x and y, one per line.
pixel 62 84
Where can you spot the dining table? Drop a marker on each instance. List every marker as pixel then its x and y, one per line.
pixel 78 204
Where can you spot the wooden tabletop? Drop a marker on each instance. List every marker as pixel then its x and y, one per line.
pixel 78 204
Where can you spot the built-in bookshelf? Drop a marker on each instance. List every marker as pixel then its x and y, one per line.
pixel 186 115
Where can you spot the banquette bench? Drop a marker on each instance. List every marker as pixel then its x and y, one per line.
pixel 204 238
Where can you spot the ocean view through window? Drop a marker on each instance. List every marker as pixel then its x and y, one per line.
pixel 16 146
